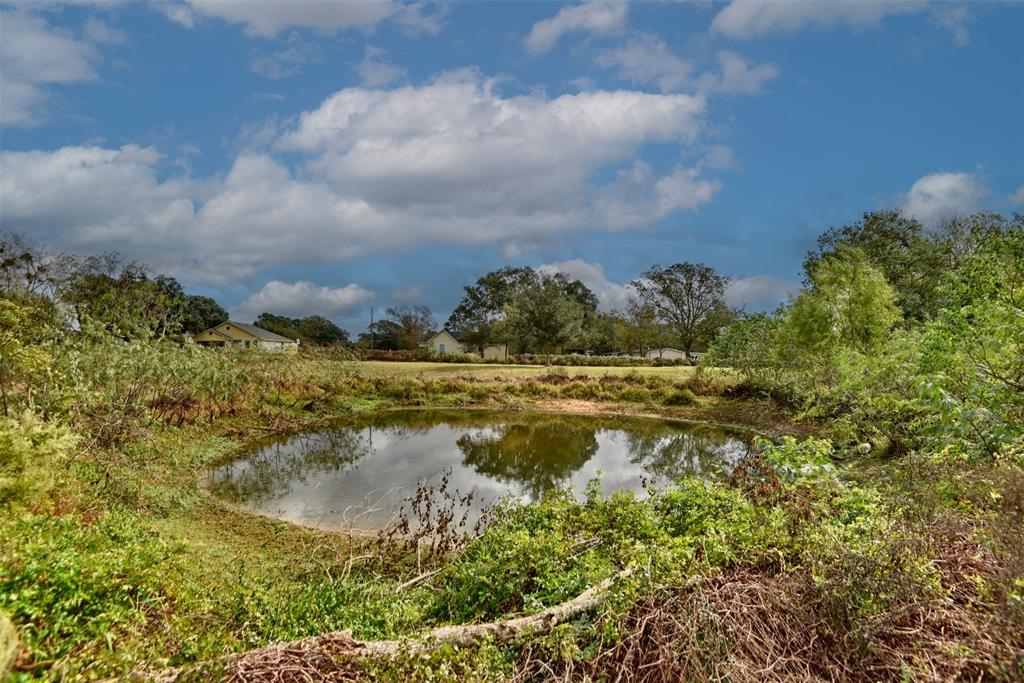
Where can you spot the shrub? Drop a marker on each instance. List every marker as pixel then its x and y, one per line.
pixel 681 397
pixel 71 585
pixel 31 453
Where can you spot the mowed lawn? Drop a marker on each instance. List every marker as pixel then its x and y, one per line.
pixel 486 371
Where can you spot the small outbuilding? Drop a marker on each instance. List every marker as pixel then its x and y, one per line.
pixel 240 335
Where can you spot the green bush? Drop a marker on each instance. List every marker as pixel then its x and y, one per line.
pixel 32 453
pixel 529 559
pixel 73 586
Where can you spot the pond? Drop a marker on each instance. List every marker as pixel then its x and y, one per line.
pixel 358 474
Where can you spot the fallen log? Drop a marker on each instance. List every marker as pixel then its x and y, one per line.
pixel 332 656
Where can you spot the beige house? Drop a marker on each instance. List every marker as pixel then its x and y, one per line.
pixel 240 335
pixel 445 342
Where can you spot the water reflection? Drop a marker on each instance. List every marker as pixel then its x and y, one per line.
pixel 358 474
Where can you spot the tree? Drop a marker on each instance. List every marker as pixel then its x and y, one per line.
pixel 689 298
pixel 320 330
pixel 638 328
pixel 601 333
pixel 545 316
pixel 914 260
pixel 192 313
pixel 972 356
pixel 412 324
pixel 528 309
pixel 478 319
pixel 849 304
pixel 200 313
pixel 384 335
pixel 23 268
pixel 314 329
pixel 120 296
pixel 278 324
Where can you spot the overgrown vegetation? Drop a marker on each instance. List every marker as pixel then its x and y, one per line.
pixel 888 546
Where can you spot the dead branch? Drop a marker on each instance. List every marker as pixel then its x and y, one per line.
pixel 340 650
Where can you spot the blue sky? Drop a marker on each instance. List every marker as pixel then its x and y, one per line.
pixel 323 157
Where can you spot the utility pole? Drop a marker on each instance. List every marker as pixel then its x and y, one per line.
pixel 371 329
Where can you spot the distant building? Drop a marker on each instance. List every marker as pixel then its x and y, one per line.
pixel 240 335
pixel 445 342
pixel 672 354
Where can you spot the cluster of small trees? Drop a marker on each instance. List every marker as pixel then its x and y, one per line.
pixel 126 299
pixel 540 312
pixel 121 296
pixel 897 322
pixel 314 329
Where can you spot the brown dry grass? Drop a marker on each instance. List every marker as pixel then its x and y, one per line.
pixel 745 625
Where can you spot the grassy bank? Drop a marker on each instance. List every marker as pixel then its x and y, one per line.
pixel 114 557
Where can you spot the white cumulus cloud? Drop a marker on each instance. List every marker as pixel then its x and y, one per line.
pixel 736 76
pixel 33 56
pixel 266 19
pixel 376 69
pixel 451 161
pixel 594 16
pixel 941 195
pixel 611 296
pixel 647 59
pixel 759 292
pixel 300 299
pixel 744 19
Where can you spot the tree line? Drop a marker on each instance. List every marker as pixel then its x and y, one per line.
pixel 861 279
pixel 540 312
pixel 125 298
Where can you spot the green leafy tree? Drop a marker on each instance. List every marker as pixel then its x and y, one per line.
pixel 278 324
pixel 601 332
pixel 192 313
pixel 849 304
pixel 916 261
pixel 319 330
pixel 479 318
pixel 532 311
pixel 200 313
pixel 972 357
pixel 119 296
pixel 547 316
pixel 384 335
pixel 638 328
pixel 314 329
pixel 689 298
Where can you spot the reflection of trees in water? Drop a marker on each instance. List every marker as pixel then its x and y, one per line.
pixel 271 471
pixel 674 450
pixel 537 454
pixel 534 452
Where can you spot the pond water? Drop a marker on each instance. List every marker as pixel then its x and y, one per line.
pixel 358 474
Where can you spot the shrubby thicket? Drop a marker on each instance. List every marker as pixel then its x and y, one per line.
pixel 903 338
